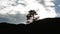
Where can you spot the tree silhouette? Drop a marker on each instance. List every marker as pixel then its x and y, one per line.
pixel 31 13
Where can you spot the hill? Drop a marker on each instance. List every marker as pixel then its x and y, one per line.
pixel 40 25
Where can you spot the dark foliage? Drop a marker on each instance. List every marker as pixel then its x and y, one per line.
pixel 31 13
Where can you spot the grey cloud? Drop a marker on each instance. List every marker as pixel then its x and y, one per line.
pixel 58 14
pixel 57 8
pixel 2 19
pixel 14 19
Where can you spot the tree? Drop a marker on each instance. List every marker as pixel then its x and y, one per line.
pixel 30 15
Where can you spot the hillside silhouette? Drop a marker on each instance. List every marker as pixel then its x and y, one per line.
pixel 40 25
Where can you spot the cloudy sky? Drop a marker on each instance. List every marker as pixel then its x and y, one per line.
pixel 57 2
pixel 15 11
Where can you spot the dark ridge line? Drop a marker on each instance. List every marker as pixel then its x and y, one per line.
pixel 40 25
pixel 46 19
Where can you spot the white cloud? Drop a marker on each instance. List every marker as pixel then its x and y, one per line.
pixel 11 11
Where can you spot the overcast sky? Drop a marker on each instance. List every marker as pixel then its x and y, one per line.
pixel 18 14
pixel 57 2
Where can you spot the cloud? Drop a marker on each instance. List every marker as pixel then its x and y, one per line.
pixel 18 12
pixel 13 18
pixel 58 14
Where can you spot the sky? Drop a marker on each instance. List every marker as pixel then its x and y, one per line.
pixel 15 11
pixel 57 2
